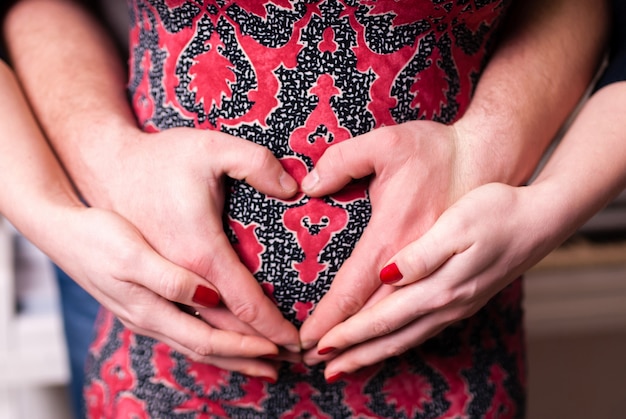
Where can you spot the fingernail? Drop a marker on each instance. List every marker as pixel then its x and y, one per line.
pixel 326 351
pixel 205 296
pixel 306 345
pixel 287 182
pixel 309 181
pixel 293 348
pixel 270 380
pixel 335 377
pixel 390 274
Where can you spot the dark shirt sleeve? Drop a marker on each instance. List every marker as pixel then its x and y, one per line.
pixel 95 7
pixel 616 70
pixel 5 5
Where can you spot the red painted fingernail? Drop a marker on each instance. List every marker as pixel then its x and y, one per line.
pixel 270 380
pixel 335 377
pixel 326 351
pixel 206 296
pixel 390 274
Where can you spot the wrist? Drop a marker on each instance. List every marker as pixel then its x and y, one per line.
pixel 478 161
pixel 94 153
pixel 493 151
pixel 557 214
pixel 43 215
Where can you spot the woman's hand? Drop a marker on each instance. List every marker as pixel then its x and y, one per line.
pixel 170 185
pixel 116 265
pixel 476 248
pixel 419 169
pixel 112 260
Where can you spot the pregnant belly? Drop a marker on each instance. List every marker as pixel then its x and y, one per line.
pixel 294 248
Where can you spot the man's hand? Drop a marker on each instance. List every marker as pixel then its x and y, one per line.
pixel 417 172
pixel 113 262
pixel 170 185
pixel 476 248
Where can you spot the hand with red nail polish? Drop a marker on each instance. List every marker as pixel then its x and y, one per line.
pixel 412 168
pixel 170 186
pixel 390 274
pixel 108 256
pixel 448 274
pixel 417 170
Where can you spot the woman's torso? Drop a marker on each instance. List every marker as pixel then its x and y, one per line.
pixel 298 77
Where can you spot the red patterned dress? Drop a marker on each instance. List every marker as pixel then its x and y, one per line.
pixel 297 77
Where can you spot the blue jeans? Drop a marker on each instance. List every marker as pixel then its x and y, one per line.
pixel 79 311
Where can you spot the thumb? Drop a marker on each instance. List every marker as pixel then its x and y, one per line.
pixel 243 160
pixel 340 164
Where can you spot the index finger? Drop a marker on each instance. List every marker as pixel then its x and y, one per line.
pixel 351 288
pixel 243 295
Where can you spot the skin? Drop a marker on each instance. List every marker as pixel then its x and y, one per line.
pixel 432 166
pixel 179 172
pixel 462 261
pixel 40 201
pixel 90 81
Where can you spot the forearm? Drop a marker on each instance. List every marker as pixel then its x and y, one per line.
pixel 33 182
pixel 535 78
pixel 588 168
pixel 76 72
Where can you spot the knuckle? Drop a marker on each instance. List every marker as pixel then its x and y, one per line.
pixel 396 138
pixel 348 304
pixel 127 254
pixel 334 157
pixel 202 352
pixel 172 287
pixel 337 156
pixel 260 158
pixel 196 357
pixel 465 311
pixel 246 312
pixel 142 320
pixel 443 299
pixel 396 349
pixel 381 327
pixel 204 347
pixel 456 315
pixel 417 260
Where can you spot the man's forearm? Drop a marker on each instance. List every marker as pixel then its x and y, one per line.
pixel 549 53
pixel 75 81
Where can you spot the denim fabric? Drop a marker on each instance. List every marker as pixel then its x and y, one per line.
pixel 79 314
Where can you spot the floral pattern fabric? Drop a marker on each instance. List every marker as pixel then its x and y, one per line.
pixel 298 77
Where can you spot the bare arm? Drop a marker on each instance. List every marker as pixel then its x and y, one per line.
pixel 463 247
pixel 536 76
pixel 38 198
pixel 167 184
pixel 588 168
